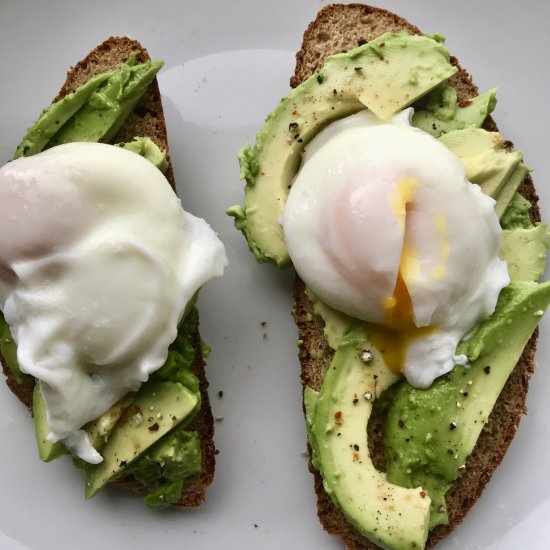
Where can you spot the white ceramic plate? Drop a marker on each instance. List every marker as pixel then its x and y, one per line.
pixel 227 65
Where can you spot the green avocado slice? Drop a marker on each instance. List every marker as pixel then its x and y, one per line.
pixel 99 430
pixel 157 408
pixel 47 451
pixel 147 148
pixel 525 251
pixel 497 170
pixel 102 116
pixel 383 512
pixel 56 115
pixel 444 113
pixel 167 464
pixel 384 75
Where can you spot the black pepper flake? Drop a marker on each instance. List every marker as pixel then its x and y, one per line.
pixel 57 121
pixel 154 427
pixel 220 394
pixel 319 78
pixel 465 393
pixel 355 401
pixel 401 424
pixel 356 447
pixel 338 434
pixel 434 127
pixel 255 526
pixel 487 369
pixel 296 136
pixel 361 42
pixel 263 323
pixel 358 69
pixel 27 147
pixel 292 127
pixel 300 140
pixel 334 91
pixel 123 463
pixel 452 425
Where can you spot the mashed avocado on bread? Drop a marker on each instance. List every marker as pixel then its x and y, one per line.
pixel 386 449
pixel 128 341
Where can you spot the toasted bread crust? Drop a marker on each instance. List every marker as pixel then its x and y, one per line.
pixel 339 28
pixel 147 119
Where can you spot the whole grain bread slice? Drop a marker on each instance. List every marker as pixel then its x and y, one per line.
pixel 339 28
pixel 146 119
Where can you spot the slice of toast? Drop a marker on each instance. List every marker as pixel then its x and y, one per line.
pixel 147 119
pixel 339 28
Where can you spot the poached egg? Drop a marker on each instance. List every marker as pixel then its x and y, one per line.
pixel 98 262
pixel 382 224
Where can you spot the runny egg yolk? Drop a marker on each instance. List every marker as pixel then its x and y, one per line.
pixel 394 336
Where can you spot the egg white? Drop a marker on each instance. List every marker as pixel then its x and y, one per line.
pixel 372 200
pixel 94 300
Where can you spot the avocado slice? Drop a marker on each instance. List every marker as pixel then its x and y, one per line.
pixel 56 115
pixel 444 113
pixel 430 433
pixel 47 451
pixel 105 111
pixel 497 170
pixel 384 75
pixel 310 402
pixel 170 461
pixel 147 148
pixel 525 251
pixel 99 430
pixel 335 322
pixel 516 214
pixel 383 512
pixel 157 408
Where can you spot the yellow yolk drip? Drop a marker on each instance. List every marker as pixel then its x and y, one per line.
pixel 404 194
pixel 393 338
pixel 399 329
pixel 393 343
